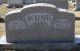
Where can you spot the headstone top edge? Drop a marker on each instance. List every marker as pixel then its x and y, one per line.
pixel 31 5
pixel 39 4
pixel 64 10
pixel 12 12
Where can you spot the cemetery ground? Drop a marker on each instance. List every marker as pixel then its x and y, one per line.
pixel 4 10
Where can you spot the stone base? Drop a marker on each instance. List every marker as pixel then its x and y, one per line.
pixel 40 46
pixel 37 46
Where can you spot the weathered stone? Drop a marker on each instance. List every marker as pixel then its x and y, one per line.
pixel 77 4
pixel 19 3
pixel 40 23
pixel 57 3
pixel 15 3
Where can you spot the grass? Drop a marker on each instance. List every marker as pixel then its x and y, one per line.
pixel 2 29
pixel 77 27
pixel 4 10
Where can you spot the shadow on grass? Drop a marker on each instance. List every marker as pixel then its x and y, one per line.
pixel 77 18
pixel 2 20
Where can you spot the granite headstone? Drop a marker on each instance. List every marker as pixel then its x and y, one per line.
pixel 59 3
pixel 40 22
pixel 77 4
pixel 15 3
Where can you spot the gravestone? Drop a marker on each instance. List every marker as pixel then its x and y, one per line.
pixel 40 23
pixel 58 3
pixel 77 4
pixel 1 2
pixel 29 1
pixel 15 3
